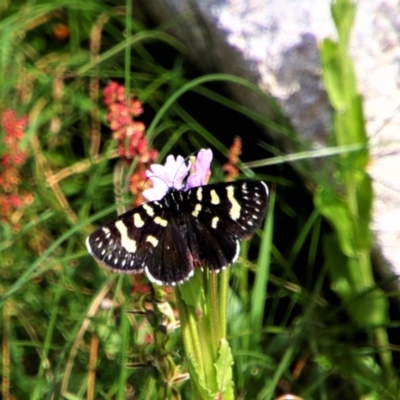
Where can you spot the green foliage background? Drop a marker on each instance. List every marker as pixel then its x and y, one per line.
pixel 72 330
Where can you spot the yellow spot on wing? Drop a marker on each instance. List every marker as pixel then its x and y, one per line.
pixel 126 242
pixel 197 210
pixel 234 212
pixel 149 210
pixel 199 194
pixel 152 240
pixel 214 197
pixel 214 222
pixel 137 220
pixel 160 221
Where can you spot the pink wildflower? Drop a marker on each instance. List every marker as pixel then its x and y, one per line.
pixel 175 171
pixel 10 162
pixel 129 134
pixel 233 158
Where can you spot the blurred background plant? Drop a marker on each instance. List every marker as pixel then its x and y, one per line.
pixel 89 97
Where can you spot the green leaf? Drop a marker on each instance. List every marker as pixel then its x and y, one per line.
pixel 192 290
pixel 109 337
pixel 197 379
pixel 333 208
pixel 224 371
pixel 364 203
pixel 331 73
pixel 367 308
pixel 343 13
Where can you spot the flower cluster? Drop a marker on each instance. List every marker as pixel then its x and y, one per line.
pixel 12 158
pixel 233 158
pixel 129 134
pixel 174 172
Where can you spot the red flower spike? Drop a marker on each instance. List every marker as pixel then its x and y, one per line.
pixel 233 158
pixel 129 135
pixel 12 158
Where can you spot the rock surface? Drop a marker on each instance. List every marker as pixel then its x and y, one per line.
pixel 275 45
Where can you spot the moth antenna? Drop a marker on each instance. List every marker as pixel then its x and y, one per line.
pixel 184 162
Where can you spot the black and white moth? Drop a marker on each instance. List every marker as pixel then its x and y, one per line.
pixel 167 239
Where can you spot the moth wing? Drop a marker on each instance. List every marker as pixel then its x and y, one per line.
pixel 220 215
pixel 126 244
pixel 171 262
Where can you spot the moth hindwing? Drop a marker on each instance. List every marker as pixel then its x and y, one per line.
pixel 167 239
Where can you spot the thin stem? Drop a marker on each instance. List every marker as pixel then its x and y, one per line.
pixel 212 305
pixel 223 302
pixel 191 340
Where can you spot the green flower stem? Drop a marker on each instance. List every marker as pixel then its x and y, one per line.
pixel 202 309
pixel 223 301
pixel 190 335
pixel 212 305
pixel 196 341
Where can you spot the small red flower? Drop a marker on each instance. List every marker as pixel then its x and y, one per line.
pixel 129 134
pixel 139 286
pixel 61 31
pixel 10 161
pixel 233 158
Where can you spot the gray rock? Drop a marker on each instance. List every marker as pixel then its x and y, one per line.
pixel 275 45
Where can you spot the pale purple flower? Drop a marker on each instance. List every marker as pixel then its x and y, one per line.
pixel 174 172
pixel 164 177
pixel 201 169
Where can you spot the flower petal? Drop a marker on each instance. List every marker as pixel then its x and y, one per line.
pixel 170 175
pixel 202 169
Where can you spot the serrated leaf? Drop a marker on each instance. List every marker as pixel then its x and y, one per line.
pixel 224 371
pixel 197 379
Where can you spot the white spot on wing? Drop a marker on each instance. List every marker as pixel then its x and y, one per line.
pixel 151 277
pixel 236 256
pixel 106 232
pixel 191 273
pixel 214 222
pixel 148 209
pixel 152 240
pixel 160 221
pixel 234 212
pixel 137 220
pixel 214 197
pixel 265 187
pixel 88 246
pixel 197 210
pixel 126 242
pixel 199 194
